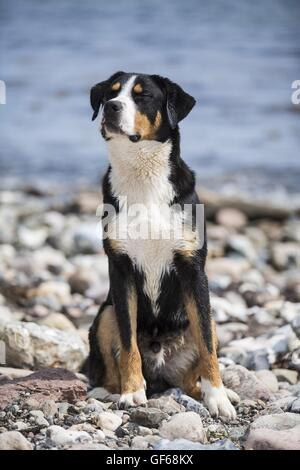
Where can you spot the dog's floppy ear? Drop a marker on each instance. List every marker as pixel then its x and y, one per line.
pixel 179 103
pixel 98 92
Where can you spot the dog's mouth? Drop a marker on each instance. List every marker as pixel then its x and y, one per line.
pixel 109 127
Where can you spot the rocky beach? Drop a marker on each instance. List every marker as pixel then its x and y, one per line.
pixel 53 277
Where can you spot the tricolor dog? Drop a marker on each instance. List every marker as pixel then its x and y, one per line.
pixel 155 329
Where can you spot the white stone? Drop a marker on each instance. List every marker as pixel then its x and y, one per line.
pixel 109 421
pixel 186 425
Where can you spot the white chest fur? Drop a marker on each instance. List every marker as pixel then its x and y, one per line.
pixel 146 226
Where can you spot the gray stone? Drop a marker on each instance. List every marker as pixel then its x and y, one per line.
pixel 14 440
pixel 295 408
pixel 184 444
pixel 274 432
pixel 166 404
pixel 268 378
pixel 186 425
pixel 58 321
pixel 31 345
pixel 245 383
pixel 149 417
pixel 286 375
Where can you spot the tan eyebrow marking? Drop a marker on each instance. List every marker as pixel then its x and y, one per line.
pixel 138 88
pixel 116 86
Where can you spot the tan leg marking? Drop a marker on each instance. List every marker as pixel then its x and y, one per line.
pixel 214 393
pixel 130 361
pixel 208 367
pixel 109 338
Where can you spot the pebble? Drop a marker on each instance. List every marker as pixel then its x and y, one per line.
pixel 109 421
pixel 14 440
pixel 63 437
pixel 269 378
pixel 53 278
pixel 185 444
pixel 186 425
pixel 58 321
pixel 286 375
pixel 149 417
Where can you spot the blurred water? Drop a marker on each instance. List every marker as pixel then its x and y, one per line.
pixel 237 58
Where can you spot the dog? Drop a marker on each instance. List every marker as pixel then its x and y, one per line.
pixel 155 328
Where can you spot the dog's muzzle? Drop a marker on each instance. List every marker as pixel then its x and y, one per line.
pixel 111 119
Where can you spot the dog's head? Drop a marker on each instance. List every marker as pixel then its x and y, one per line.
pixel 142 107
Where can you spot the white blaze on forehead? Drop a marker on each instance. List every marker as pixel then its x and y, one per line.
pixel 127 118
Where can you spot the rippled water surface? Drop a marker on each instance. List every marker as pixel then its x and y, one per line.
pixel 237 58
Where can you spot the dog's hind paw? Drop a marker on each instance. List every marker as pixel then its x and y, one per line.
pixel 133 399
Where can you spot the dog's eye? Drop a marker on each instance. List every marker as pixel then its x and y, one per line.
pixel 144 94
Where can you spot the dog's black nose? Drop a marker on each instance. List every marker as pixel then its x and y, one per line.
pixel 155 346
pixel 113 106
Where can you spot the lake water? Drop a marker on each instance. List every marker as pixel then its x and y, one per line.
pixel 238 58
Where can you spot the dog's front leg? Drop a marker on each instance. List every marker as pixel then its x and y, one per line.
pixel 197 305
pixel 130 364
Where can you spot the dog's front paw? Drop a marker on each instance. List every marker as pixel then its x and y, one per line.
pixel 217 401
pixel 133 399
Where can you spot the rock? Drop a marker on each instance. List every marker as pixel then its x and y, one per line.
pixel 295 407
pixel 245 383
pixel 184 444
pixel 32 345
pixel 286 375
pixel 64 437
pixel 58 321
pixel 286 255
pixel 58 291
pixel 13 373
pixel 193 405
pixel 263 351
pixel 232 266
pixel 234 312
pixel 268 378
pixel 38 418
pixel 57 384
pixel 231 218
pixel 32 239
pixel 230 331
pixel 280 405
pixel 82 279
pixel 149 417
pixel 5 315
pixel 90 446
pixel 102 394
pixel 14 440
pixel 242 245
pixel 274 432
pixel 49 408
pixel 108 420
pixel 166 404
pixel 186 425
pixel 139 443
pixel 296 324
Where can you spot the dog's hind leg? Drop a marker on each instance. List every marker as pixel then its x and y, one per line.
pixel 197 306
